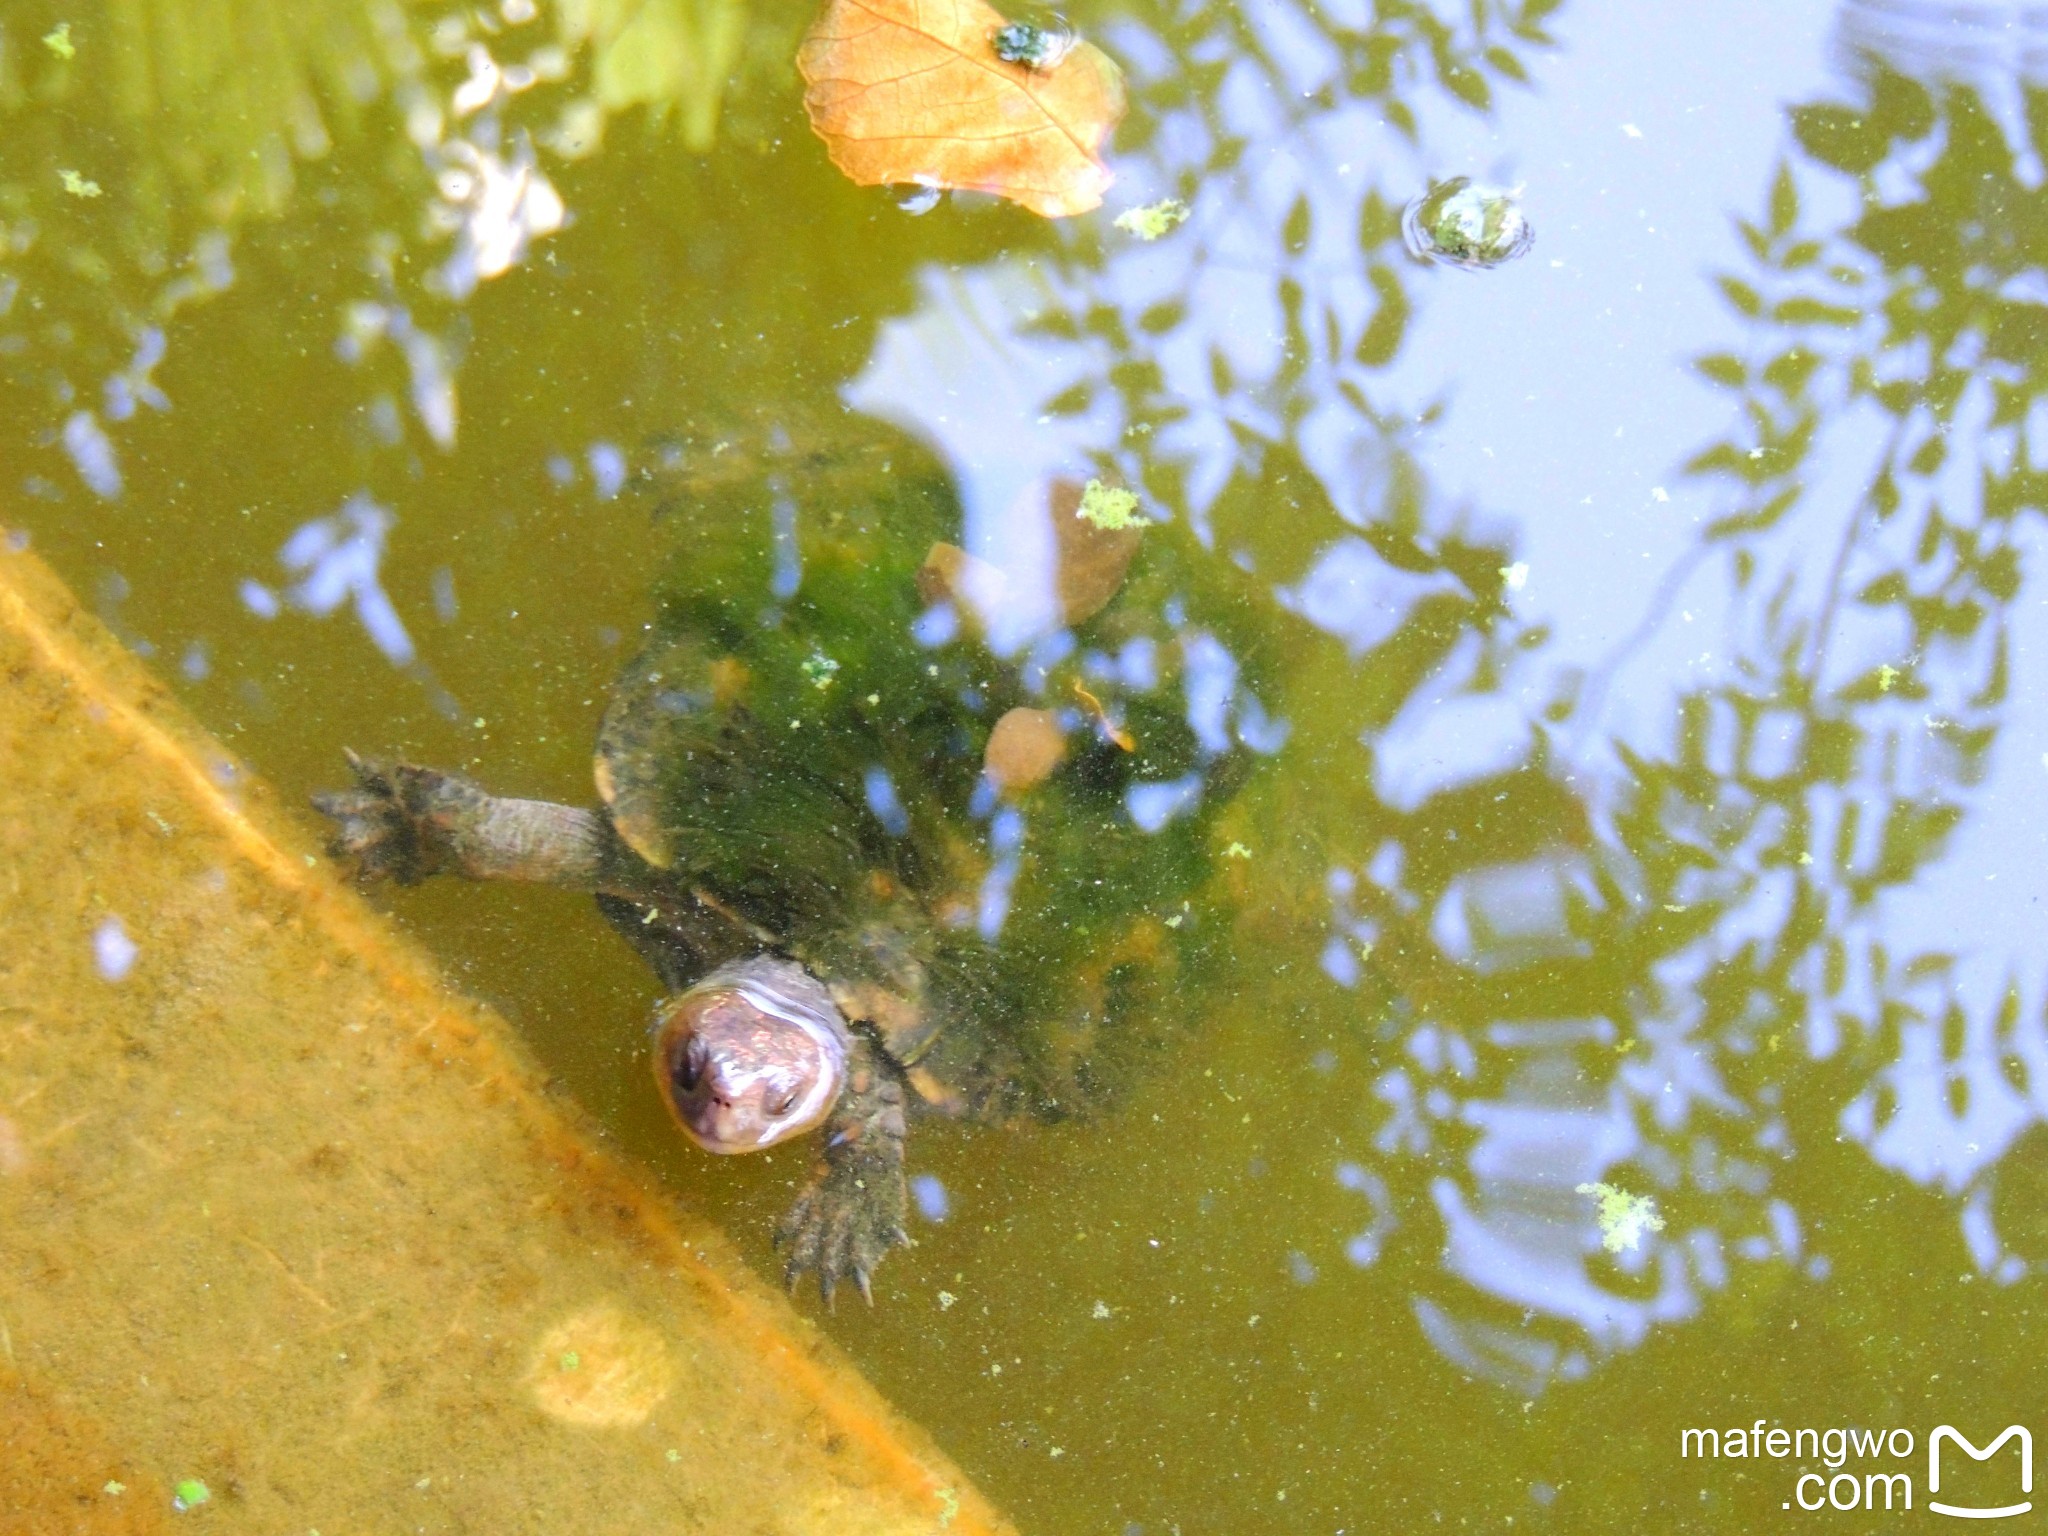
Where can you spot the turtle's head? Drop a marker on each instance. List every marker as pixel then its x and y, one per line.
pixel 755 1053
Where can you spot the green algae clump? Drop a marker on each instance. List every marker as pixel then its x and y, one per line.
pixel 1623 1217
pixel 1109 507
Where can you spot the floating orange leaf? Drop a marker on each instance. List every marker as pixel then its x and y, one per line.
pixel 912 91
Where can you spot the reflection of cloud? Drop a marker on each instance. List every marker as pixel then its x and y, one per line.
pixel 607 469
pixel 1215 693
pixel 1005 838
pixel 1526 1243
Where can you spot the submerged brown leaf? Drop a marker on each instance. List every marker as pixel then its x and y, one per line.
pixel 1092 559
pixel 912 91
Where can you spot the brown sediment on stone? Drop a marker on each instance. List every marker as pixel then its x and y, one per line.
pixel 281 1212
pixel 58 1473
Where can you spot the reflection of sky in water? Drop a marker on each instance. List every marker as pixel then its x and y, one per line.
pixel 1153 805
pixel 113 952
pixel 1631 172
pixel 337 560
pixel 930 1197
pixel 1005 838
pixel 92 454
pixel 885 803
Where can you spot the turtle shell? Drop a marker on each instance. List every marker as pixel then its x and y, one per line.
pixel 805 740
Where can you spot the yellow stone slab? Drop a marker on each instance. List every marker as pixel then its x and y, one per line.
pixel 281 1214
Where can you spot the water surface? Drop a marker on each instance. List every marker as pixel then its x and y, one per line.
pixel 1652 748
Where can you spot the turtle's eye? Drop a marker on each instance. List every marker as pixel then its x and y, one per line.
pixel 777 1108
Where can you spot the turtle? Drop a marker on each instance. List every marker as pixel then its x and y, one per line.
pixel 882 859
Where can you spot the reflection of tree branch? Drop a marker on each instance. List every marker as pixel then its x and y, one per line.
pixel 1655 612
pixel 1285 153
pixel 1824 622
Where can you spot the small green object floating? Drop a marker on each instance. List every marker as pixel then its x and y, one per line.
pixel 1463 223
pixel 1109 507
pixel 1152 220
pixel 571 1360
pixel 77 185
pixel 1624 1218
pixel 190 1494
pixel 58 41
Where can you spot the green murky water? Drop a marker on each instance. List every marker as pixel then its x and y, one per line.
pixel 1649 784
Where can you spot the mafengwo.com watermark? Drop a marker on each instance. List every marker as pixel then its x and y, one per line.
pixel 1943 1472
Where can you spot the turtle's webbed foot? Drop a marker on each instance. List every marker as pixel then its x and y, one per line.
pixel 845 1222
pixel 395 824
pixel 851 1212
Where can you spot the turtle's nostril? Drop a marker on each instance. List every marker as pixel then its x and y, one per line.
pixel 691 1068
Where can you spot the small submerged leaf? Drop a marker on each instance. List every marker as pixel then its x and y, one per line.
pixel 1094 556
pixel 904 92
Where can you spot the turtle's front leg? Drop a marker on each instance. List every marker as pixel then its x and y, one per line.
pixel 851 1212
pixel 404 823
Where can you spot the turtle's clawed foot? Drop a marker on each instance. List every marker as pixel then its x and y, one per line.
pixel 846 1220
pixel 393 825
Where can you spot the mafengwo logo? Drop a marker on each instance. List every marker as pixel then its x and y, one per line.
pixel 1874 1470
